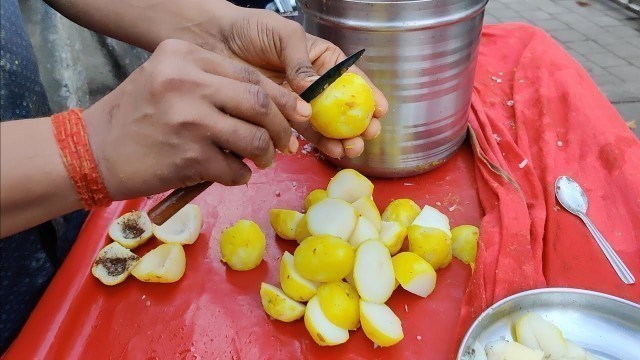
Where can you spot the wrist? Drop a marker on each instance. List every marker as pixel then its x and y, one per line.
pixel 77 156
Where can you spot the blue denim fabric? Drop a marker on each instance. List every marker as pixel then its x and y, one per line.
pixel 28 260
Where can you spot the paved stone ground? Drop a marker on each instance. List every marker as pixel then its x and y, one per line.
pixel 601 35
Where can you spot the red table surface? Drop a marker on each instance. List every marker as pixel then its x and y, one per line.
pixel 214 312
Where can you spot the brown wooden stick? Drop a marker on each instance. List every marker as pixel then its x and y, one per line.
pixel 175 201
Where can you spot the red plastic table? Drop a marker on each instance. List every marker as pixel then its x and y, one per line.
pixel 214 312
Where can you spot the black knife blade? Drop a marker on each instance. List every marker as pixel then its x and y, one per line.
pixel 329 77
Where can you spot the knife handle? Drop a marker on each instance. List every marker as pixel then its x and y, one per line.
pixel 175 201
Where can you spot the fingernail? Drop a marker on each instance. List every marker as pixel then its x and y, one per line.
pixel 348 147
pixel 311 79
pixel 303 108
pixel 293 145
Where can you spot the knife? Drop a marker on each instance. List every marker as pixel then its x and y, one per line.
pixel 178 198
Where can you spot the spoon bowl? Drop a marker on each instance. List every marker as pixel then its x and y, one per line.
pixel 572 197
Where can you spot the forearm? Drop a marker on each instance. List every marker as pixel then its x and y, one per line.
pixel 34 185
pixel 146 23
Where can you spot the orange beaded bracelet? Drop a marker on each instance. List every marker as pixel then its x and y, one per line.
pixel 71 135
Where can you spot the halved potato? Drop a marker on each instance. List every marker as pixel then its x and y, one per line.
pixel 285 222
pixel 182 228
pixel 293 284
pixel 373 272
pixel 392 235
pixel 131 229
pixel 364 231
pixel 313 197
pixel 278 305
pixel 349 185
pixel 333 217
pixel 380 324
pixel 113 264
pixel 403 211
pixel 164 264
pixel 431 217
pixel 323 331
pixel 367 208
pixel 302 232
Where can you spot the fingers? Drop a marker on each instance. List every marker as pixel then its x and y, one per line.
pixel 252 103
pixel 353 147
pixel 373 130
pixel 288 102
pixel 295 57
pixel 244 139
pixel 227 169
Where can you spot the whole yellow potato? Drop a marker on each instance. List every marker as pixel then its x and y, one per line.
pixel 242 245
pixel 344 109
pixel 324 258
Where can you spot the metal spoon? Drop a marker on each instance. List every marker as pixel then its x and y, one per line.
pixel 572 198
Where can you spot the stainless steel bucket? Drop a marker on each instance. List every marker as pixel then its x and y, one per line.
pixel 422 55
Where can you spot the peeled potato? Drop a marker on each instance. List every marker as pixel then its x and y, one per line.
pixel 313 197
pixel 367 208
pixel 511 350
pixel 131 229
pixel 431 217
pixel 373 272
pixel 333 217
pixel 278 305
pixel 164 264
pixel 431 244
pixel 182 228
pixel 349 185
pixel 392 235
pixel 242 245
pixel 285 222
pixel 344 109
pixel 537 333
pixel 403 211
pixel 380 324
pixel 113 264
pixel 364 231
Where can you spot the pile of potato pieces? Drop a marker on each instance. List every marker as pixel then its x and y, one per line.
pixel 348 261
pixel 164 264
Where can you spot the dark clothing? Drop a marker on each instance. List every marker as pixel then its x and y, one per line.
pixel 28 260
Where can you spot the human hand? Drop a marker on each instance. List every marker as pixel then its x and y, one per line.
pixel 283 52
pixel 188 115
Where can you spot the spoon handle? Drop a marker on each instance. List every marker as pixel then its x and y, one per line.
pixel 613 258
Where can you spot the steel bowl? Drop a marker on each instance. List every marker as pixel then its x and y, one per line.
pixel 606 326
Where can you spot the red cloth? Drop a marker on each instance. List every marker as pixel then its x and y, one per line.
pixel 538 115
